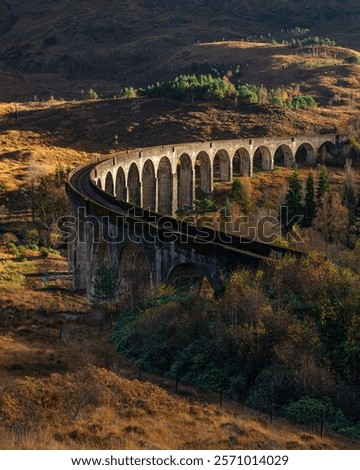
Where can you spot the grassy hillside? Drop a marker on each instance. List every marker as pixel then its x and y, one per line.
pixel 64 47
pixel 52 398
pixel 51 133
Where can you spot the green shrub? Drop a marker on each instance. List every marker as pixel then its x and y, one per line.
pixel 311 411
pixel 353 59
pixel 92 94
pixel 32 247
pixel 12 248
pixel 44 252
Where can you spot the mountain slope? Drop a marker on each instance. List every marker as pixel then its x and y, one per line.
pixel 139 41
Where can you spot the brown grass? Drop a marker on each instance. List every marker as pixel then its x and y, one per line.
pixel 95 408
pixel 77 393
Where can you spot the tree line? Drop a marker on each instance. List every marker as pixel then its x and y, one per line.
pixel 336 215
pixel 214 86
pixel 285 335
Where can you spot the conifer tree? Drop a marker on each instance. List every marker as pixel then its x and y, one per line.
pixel 310 205
pixel 239 195
pixel 324 184
pixel 293 199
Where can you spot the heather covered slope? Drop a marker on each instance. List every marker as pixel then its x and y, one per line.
pixel 61 47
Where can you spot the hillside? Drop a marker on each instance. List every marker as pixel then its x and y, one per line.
pixel 68 133
pixel 53 346
pixel 64 47
pixel 72 391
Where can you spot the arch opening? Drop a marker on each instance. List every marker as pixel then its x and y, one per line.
pixel 203 183
pixel 109 184
pixel 134 185
pixel 165 186
pixel 99 184
pixel 305 154
pixel 241 163
pixel 221 166
pixel 262 159
pixel 189 277
pixel 328 154
pixel 134 275
pixel 149 185
pixel 283 156
pixel 120 190
pixel 185 181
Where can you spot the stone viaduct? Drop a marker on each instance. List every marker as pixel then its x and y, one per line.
pixel 166 178
pixel 122 210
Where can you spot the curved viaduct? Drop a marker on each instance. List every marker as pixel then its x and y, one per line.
pixel 121 209
pixel 167 178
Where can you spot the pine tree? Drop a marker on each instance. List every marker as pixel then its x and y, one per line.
pixel 324 184
pixel 239 195
pixel 310 205
pixel 293 198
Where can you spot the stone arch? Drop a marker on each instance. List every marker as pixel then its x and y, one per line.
pixel 148 183
pixel 185 181
pixel 134 274
pixel 99 184
pixel 203 183
pixel 327 154
pixel 262 159
pixel 221 166
pixel 188 276
pixel 165 186
pixel 99 253
pixel 305 154
pixel 120 185
pixel 109 184
pixel 241 163
pixel 134 185
pixel 283 156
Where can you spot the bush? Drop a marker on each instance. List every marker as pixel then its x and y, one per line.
pixel 33 247
pixel 310 411
pixel 31 237
pixel 92 94
pixel 44 252
pixel 12 248
pixel 353 59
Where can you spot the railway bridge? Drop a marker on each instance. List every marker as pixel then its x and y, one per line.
pixel 122 210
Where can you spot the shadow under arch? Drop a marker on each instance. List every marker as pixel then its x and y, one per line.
pixel 305 154
pixel 202 168
pixel 109 184
pixel 262 159
pixel 148 185
pixel 241 163
pixel 134 184
pixel 221 166
pixel 185 181
pixel 165 186
pixel 134 275
pixel 283 156
pixel 120 186
pixel 189 277
pixel 327 154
